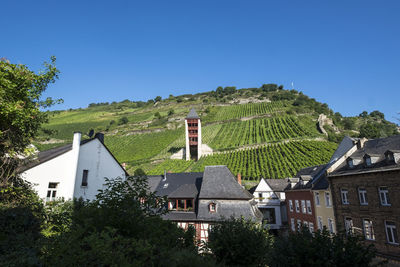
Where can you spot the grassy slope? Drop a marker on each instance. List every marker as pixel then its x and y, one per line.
pixel 258 139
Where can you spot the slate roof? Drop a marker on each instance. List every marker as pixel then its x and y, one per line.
pixel 192 114
pixel 177 183
pixel 217 184
pixel 47 155
pixel 225 209
pixel 278 185
pixel 220 183
pixel 374 147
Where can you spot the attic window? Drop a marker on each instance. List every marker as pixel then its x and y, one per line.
pixel 368 160
pixel 389 156
pixel 212 207
pixel 350 163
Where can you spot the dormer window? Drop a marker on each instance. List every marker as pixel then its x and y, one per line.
pixel 389 156
pixel 212 207
pixel 367 160
pixel 181 204
pixel 350 163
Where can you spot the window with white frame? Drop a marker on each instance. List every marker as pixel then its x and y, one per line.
pixel 305 224
pixel 368 229
pixel 311 227
pixel 320 225
pixel 368 161
pixel 362 195
pixel 348 225
pixel 331 226
pixel 317 199
pixel 303 206
pixel 298 225
pixel 292 224
pixel 296 202
pixel 51 192
pixel 345 196
pixel 308 203
pixel 384 196
pixel 391 233
pixel 290 205
pixel 328 199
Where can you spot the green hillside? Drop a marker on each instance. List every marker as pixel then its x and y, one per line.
pixel 258 132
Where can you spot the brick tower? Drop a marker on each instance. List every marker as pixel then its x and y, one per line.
pixel 193 135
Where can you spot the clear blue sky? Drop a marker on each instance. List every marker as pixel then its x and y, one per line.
pixel 345 53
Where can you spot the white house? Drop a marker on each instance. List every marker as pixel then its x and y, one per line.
pixel 73 171
pixel 270 197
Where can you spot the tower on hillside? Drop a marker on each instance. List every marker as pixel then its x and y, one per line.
pixel 193 135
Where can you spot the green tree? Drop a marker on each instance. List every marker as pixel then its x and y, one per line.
pixel 320 249
pixel 157 115
pixel 122 227
pixel 157 99
pixel 171 112
pixel 238 242
pixel 21 118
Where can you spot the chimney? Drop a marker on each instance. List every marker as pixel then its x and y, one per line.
pixel 239 178
pixel 77 140
pixel 100 136
pixel 165 175
pixel 361 142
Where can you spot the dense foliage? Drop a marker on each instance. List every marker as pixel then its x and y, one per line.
pixel 237 242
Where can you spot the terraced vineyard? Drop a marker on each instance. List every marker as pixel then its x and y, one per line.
pixel 241 133
pixel 271 161
pixel 173 165
pixel 245 110
pixel 138 147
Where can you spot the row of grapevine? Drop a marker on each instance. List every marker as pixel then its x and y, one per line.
pixel 236 134
pixel 171 165
pixel 244 110
pixel 136 147
pixel 272 161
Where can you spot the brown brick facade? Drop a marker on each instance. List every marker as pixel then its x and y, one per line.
pixel 304 217
pixel 374 211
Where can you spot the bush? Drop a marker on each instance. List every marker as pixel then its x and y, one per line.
pixel 123 120
pixel 237 242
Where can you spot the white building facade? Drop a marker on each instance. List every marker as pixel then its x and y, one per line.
pixel 73 171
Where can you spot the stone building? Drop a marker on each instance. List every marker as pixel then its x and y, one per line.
pixel 365 189
pixel 202 199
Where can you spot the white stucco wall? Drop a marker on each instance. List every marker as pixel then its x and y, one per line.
pixel 59 170
pixel 93 156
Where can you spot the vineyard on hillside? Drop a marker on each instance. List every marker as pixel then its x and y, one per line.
pixel 236 134
pixel 245 110
pixel 271 161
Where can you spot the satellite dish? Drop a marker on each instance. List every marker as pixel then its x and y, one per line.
pixel 91 133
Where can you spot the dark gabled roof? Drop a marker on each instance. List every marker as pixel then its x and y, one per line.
pixel 192 114
pixel 344 146
pixel 310 171
pixel 219 183
pixel 374 148
pixel 278 185
pixel 322 183
pixel 185 191
pixel 47 155
pixel 226 209
pixel 180 216
pixel 153 182
pixel 185 183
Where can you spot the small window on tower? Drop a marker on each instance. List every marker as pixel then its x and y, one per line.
pixel 212 207
pixel 85 178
